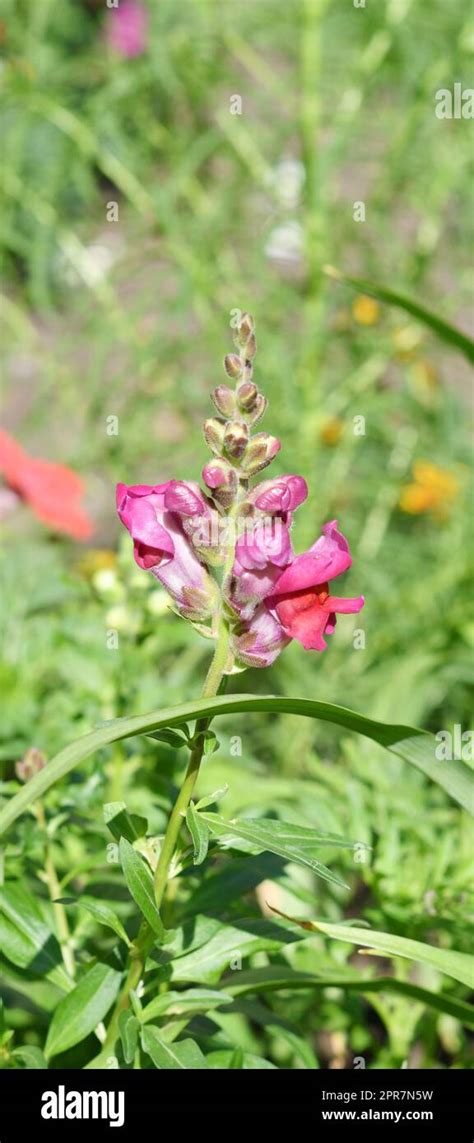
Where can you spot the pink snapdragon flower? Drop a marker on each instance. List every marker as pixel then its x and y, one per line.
pixel 300 599
pixel 161 545
pixel 297 600
pixel 127 28
pixel 265 546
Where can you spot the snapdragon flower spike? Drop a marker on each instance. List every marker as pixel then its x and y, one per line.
pixel 161 546
pixel 270 595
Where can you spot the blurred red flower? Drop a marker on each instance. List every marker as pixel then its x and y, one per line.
pixel 53 491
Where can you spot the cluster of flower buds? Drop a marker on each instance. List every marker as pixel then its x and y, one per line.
pixel 239 454
pixel 268 595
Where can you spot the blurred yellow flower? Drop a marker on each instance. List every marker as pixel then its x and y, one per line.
pixel 331 431
pixel 424 372
pixel 433 490
pixel 423 381
pixel 406 340
pixel 96 559
pixel 365 310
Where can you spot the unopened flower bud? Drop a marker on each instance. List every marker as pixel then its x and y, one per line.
pixel 222 479
pixel 245 329
pixel 224 400
pixel 236 438
pixel 233 365
pixel 256 413
pixel 259 452
pixel 218 472
pixel 214 429
pixel 250 348
pixel 198 603
pixel 31 764
pixel 247 395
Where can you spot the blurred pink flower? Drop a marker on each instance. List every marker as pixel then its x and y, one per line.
pixel 127 28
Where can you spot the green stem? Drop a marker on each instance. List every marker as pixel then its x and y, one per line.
pixel 54 890
pixel 146 938
pixel 141 949
pixel 210 688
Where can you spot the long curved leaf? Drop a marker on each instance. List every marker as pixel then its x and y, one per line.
pixel 279 978
pixel 458 965
pixel 448 333
pixel 293 843
pixel 414 746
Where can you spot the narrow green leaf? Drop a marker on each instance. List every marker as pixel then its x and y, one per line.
pixel 123 824
pixel 236 1059
pixel 209 799
pixel 199 833
pixel 129 1028
pixel 293 843
pixel 26 939
pixel 180 1003
pixel 101 912
pixel 185 1055
pixel 211 743
pixel 448 333
pixel 82 1010
pixel 30 1057
pixel 140 884
pixel 226 948
pixel 414 746
pixel 276 978
pixel 220 1060
pixel 456 964
pixel 297 1044
pixel 171 737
